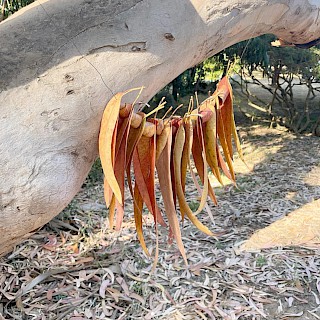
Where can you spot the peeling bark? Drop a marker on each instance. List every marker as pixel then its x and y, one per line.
pixel 61 61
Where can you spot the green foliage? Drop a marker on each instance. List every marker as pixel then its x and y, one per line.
pixel 8 7
pixel 261 261
pixel 95 175
pixel 259 53
pixel 252 52
pixel 296 61
pixel 213 69
pixel 194 205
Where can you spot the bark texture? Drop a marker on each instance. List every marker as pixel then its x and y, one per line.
pixel 61 61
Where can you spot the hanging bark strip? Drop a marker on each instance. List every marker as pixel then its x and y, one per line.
pixel 128 139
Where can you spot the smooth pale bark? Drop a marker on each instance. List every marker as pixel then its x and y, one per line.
pixel 61 61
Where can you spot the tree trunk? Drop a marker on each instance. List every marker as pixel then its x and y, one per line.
pixel 61 61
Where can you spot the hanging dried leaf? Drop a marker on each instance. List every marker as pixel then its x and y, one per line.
pixel 108 194
pixel 134 136
pixel 144 171
pixel 108 124
pixel 127 138
pixel 210 139
pixel 204 194
pixel 224 145
pixel 120 162
pixel 187 149
pixel 198 161
pixel 177 154
pixel 112 210
pixel 138 206
pixel 163 168
pixel 162 140
pixel 224 92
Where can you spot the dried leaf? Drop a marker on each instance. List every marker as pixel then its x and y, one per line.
pixel 198 161
pixel 138 206
pixel 134 136
pixel 224 92
pixel 224 144
pixel 164 174
pixel 112 209
pixel 108 123
pixel 104 285
pixel 177 154
pixel 187 149
pixel 120 162
pixel 204 194
pixel 144 171
pixel 211 145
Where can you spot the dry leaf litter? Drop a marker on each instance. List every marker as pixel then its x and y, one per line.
pixel 76 268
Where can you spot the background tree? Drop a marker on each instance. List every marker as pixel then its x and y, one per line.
pixel 290 80
pixel 288 76
pixel 8 7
